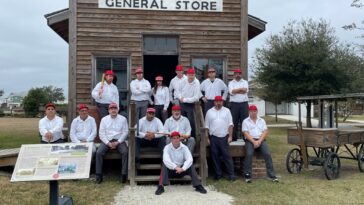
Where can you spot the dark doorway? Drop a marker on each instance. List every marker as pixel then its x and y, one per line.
pixel 163 65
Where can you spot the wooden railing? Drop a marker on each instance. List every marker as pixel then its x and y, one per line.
pixel 201 137
pixel 131 142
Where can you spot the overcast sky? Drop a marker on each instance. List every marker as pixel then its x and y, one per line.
pixel 32 55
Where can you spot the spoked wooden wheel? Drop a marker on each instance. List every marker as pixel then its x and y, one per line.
pixel 332 166
pixel 361 158
pixel 294 161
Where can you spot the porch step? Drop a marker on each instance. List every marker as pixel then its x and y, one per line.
pixel 153 178
pixel 158 166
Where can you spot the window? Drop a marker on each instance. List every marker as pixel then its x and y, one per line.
pixel 120 67
pixel 161 45
pixel 202 64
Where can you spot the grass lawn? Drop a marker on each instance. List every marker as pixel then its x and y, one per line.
pixel 308 187
pixel 272 120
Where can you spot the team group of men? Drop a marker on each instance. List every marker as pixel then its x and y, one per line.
pixel 174 136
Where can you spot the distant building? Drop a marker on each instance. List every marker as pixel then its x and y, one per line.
pixel 14 100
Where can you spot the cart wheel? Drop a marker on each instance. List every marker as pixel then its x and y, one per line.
pixel 294 161
pixel 332 166
pixel 361 158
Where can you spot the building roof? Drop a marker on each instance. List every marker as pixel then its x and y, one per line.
pixel 58 21
pixel 332 97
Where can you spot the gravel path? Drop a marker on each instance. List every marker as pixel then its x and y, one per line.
pixel 176 195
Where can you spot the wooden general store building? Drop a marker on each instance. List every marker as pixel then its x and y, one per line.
pixel 155 35
pixel 121 39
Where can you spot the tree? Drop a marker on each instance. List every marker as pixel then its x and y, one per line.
pixel 302 60
pixel 31 103
pixel 40 96
pixel 53 94
pixel 357 26
pixel 1 93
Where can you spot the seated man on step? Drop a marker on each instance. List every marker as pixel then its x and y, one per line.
pixel 50 127
pixel 150 134
pixel 178 162
pixel 255 131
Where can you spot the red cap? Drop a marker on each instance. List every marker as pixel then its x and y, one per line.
pixel 191 71
pixel 138 70
pixel 151 110
pixel 82 106
pixel 210 70
pixel 159 78
pixel 218 98
pixel 50 105
pixel 113 105
pixel 175 133
pixel 179 68
pixel 237 70
pixel 176 107
pixel 253 107
pixel 109 72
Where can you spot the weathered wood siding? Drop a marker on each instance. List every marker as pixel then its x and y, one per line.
pixel 118 31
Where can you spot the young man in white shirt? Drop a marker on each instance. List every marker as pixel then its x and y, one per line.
pixel 191 93
pixel 105 93
pixel 50 126
pixel 150 134
pixel 161 99
pixel 255 131
pixel 180 124
pixel 176 84
pixel 212 87
pixel 83 127
pixel 178 162
pixel 113 132
pixel 238 90
pixel 141 92
pixel 220 127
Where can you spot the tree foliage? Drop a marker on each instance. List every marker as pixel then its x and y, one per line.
pixel 357 25
pixel 39 97
pixel 304 59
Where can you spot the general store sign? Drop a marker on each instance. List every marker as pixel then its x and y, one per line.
pixel 167 5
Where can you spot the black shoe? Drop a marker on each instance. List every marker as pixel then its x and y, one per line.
pixel 160 190
pixel 248 178
pixel 274 179
pixel 232 178
pixel 200 189
pixel 99 178
pixel 123 178
pixel 217 178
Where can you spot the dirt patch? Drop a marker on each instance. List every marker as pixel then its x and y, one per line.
pixel 19 124
pixel 177 195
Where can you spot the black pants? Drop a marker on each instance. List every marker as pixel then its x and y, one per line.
pixel 188 110
pixel 156 142
pixel 167 173
pixel 249 152
pixel 57 141
pixel 160 114
pixel 207 105
pixel 103 109
pixel 103 149
pixel 220 147
pixel 239 112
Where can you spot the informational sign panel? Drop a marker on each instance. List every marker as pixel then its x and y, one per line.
pixel 167 5
pixel 53 162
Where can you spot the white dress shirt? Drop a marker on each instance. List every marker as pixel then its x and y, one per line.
pixel 173 157
pixel 214 88
pixel 238 97
pixel 191 92
pixel 113 128
pixel 150 126
pixel 218 121
pixel 54 126
pixel 83 130
pixel 140 90
pixel 182 125
pixel 109 95
pixel 175 87
pixel 254 129
pixel 161 97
